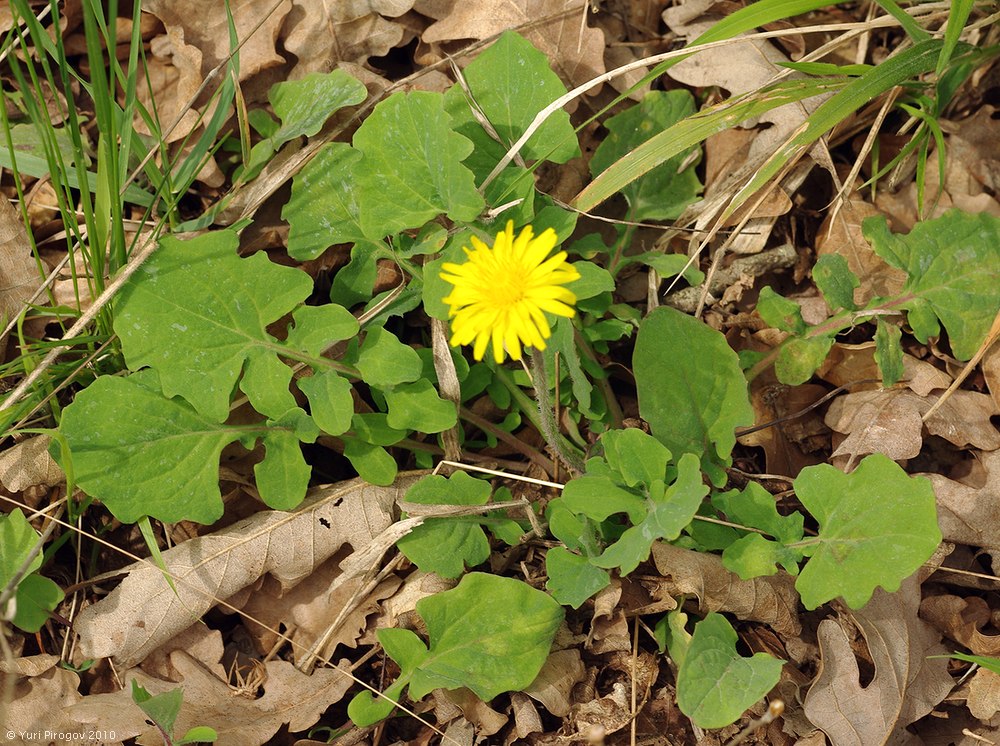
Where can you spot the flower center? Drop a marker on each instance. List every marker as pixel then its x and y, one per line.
pixel 506 290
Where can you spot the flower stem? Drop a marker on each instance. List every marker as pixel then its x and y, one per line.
pixel 563 450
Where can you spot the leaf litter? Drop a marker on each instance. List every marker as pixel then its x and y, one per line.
pixel 864 676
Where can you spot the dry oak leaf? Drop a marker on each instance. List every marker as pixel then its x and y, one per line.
pixel 206 26
pixel 848 363
pixel 960 619
pixel 323 33
pixel 28 463
pixel 772 600
pixel 906 686
pixel 172 80
pixel 970 514
pixel 552 687
pixel 42 693
pixel 144 611
pixel 575 52
pixel 290 697
pixel 983 699
pixel 19 277
pixel 889 422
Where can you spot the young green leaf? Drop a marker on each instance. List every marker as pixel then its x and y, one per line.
pixel 753 555
pixel 691 389
pixel 836 281
pixel 663 192
pixel 715 684
pixel 198 314
pixel 780 312
pixel 330 401
pixel 162 709
pixel 372 462
pixel 800 357
pixel 417 406
pixel 303 105
pixel 36 595
pixel 385 361
pixel 952 263
pixel 637 457
pixel 412 154
pixel 490 634
pixel 888 352
pixel 572 578
pixel 447 545
pixel 877 525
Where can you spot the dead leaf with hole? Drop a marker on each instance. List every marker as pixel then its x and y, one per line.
pixel 961 620
pixel 889 422
pixel 290 698
pixel 771 599
pixel 323 33
pixel 575 51
pixel 969 512
pixel 906 686
pixel 19 276
pixel 143 611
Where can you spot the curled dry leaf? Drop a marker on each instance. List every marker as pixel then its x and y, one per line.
pixel 983 698
pixel 562 671
pixel 847 364
pixel 906 686
pixel 575 51
pixel 450 703
pixel 143 612
pixel 42 694
pixel 772 600
pixel 290 697
pixel 960 619
pixel 890 422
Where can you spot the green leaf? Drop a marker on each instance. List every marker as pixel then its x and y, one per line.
pixel 36 597
pixel 637 457
pixel 599 497
pixel 753 555
pixel 593 281
pixel 317 327
pixel 374 428
pixel 800 357
pixel 143 454
pixel 663 192
pixel 888 352
pixel 412 154
pixel 417 406
pixel 162 709
pixel 667 515
pixel 951 263
pixel 198 314
pixel 199 734
pixel 511 82
pixel 303 105
pixel 876 526
pixel 325 205
pixel 836 281
pixel 330 401
pixel 17 539
pixel 489 634
pixel 283 476
pixel 447 545
pixel 355 282
pixel 385 361
pixel 715 684
pixel 372 462
pixel 572 579
pixel 691 389
pixel 779 312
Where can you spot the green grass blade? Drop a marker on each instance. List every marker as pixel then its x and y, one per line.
pixel 957 17
pixel 907 65
pixel 693 130
pixel 755 15
pixel 905 20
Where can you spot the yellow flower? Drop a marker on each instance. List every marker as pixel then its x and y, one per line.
pixel 502 293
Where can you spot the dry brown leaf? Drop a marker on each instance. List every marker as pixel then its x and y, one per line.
pixel 290 697
pixel 991 372
pixel 960 619
pixel 973 142
pixel 452 702
pixel 206 26
pixel 906 686
pixel 562 671
pixel 970 514
pixel 890 422
pixel 28 464
pixel 772 600
pixel 172 79
pixel 19 276
pixel 323 33
pixel 143 612
pixel 526 717
pixel 983 699
pixel 847 364
pixel 787 446
pixel 42 693
pixel 841 234
pixel 576 53
pixel 310 608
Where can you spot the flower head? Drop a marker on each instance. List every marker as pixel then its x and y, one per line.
pixel 502 293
